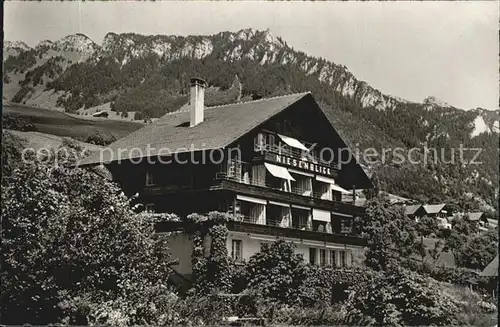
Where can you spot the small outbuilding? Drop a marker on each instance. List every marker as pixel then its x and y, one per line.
pixel 103 114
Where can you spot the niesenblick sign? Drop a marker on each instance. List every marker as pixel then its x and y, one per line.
pixel 301 164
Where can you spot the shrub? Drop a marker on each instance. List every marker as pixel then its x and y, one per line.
pixel 74 252
pixel 276 272
pixel 324 286
pixel 17 123
pixel 99 139
pixel 402 297
pixel 427 226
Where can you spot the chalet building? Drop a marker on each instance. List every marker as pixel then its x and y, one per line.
pixel 436 210
pixel 415 211
pixel 440 212
pixel 267 161
pixel 492 223
pixel 102 114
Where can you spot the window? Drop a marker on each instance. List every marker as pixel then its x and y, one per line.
pixel 333 258
pixel 343 259
pixel 150 207
pixel 346 226
pixel 271 141
pixel 312 256
pixel 322 257
pixel 149 178
pixel 236 250
pixel 259 142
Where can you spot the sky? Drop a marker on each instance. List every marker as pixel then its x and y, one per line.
pixel 412 50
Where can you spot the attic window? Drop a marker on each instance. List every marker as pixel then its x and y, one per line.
pixel 185 124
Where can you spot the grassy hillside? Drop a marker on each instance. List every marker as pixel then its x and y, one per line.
pixel 60 124
pixel 37 140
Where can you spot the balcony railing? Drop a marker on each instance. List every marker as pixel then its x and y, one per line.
pixel 276 222
pixel 243 226
pixel 237 175
pixel 286 150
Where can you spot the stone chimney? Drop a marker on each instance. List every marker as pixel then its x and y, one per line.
pixel 197 101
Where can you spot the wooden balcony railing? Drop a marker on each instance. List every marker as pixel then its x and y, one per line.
pixel 234 172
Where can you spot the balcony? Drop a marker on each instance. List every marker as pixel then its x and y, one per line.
pixel 269 143
pixel 301 234
pixel 271 230
pixel 240 172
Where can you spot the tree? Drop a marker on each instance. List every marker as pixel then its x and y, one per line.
pixel 276 272
pixel 389 233
pixel 75 252
pixel 138 115
pixel 100 139
pixel 401 297
pixel 464 226
pixel 480 249
pixel 427 226
pixel 373 192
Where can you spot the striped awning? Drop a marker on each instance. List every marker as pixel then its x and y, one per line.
pixel 251 199
pixel 321 215
pixel 293 142
pixel 333 186
pixel 277 171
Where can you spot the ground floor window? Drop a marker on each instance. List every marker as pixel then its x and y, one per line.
pixel 312 256
pixel 236 250
pixel 343 258
pixel 322 257
pixel 333 258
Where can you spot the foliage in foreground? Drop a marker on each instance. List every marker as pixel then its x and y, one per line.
pixel 75 252
pixel 402 297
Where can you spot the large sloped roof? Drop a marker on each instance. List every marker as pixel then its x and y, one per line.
pixel 411 209
pixel 221 126
pixel 473 216
pixel 491 269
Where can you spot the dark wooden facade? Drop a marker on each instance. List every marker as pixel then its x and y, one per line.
pixel 212 180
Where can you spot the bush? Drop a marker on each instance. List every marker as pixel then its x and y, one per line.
pixel 325 286
pixel 138 115
pixel 427 226
pixel 99 139
pixel 17 123
pixel 276 272
pixel 402 297
pixel 74 252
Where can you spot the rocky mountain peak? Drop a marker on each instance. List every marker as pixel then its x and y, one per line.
pixel 432 101
pixel 44 43
pixel 17 45
pixel 76 43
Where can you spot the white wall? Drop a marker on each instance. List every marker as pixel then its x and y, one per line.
pixel 251 244
pixel 181 247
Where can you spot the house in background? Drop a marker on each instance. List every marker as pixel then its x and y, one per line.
pixel 396 199
pixel 415 211
pixel 478 218
pixel 277 182
pixel 440 212
pixel 492 223
pixel 491 271
pixel 102 114
pixel 436 210
pixel 474 216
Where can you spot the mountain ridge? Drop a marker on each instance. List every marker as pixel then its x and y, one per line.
pixel 201 46
pixel 149 75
